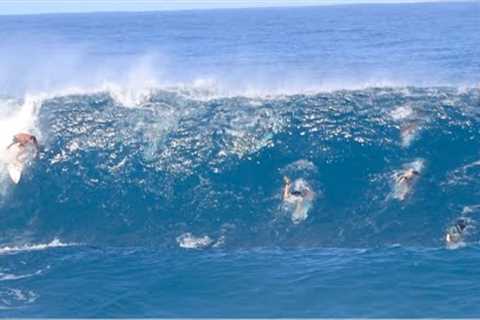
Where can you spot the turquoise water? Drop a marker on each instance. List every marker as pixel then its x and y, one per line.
pixel 166 137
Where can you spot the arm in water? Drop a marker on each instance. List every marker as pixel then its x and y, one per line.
pixel 286 188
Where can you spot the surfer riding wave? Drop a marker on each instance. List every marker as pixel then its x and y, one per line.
pixel 24 141
pixel 23 149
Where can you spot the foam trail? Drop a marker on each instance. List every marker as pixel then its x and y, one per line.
pixel 55 243
pixel 189 241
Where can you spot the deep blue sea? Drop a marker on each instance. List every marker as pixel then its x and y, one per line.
pixel 166 136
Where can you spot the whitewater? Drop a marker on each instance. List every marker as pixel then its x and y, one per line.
pixel 166 138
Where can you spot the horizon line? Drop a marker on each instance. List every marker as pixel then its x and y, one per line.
pixel 265 5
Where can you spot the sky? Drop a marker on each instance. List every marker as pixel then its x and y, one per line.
pixel 8 7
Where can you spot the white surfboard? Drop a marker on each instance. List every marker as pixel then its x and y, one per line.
pixel 16 160
pixel 15 171
pixel 401 190
pixel 300 213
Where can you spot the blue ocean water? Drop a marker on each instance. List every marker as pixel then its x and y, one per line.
pixel 166 136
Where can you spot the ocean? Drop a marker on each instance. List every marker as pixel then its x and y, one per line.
pixel 166 136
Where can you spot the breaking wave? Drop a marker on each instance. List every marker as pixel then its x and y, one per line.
pixel 188 167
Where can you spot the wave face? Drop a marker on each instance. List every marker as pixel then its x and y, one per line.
pixel 175 165
pixel 167 136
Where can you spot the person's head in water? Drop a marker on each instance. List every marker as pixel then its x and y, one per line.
pixel 461 225
pixel 456 232
pixel 296 193
pixel 301 191
pixel 412 172
pixel 408 175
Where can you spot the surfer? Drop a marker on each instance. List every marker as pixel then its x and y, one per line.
pixel 455 232
pixel 21 152
pixel 292 195
pixel 408 129
pixel 25 140
pixel 404 180
pixel 298 197
pixel 407 176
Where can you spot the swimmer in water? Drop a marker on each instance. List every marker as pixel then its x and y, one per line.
pixel 403 182
pixel 409 129
pixel 290 194
pixel 24 140
pixel 407 176
pixel 287 190
pixel 455 232
pixel 299 198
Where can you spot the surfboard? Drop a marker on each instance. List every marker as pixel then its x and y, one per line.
pixel 401 190
pixel 15 171
pixel 300 213
pixel 16 160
